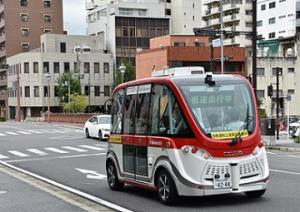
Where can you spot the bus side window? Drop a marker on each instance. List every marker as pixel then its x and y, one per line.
pixel 129 114
pixel 142 113
pixel 116 112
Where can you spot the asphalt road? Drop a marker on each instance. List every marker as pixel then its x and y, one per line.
pixel 65 156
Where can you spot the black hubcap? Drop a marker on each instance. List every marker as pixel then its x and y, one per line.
pixel 111 175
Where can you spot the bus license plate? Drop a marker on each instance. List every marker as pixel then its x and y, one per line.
pixel 222 183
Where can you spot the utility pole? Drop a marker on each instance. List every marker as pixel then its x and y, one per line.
pixel 211 56
pixel 18 93
pixel 254 37
pixel 277 103
pixel 222 37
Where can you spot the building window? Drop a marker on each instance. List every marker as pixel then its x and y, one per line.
pixel 63 47
pixel 36 91
pixel 97 90
pixel 47 18
pixel 272 5
pixel 274 71
pixel 86 67
pixel 291 91
pixel 272 21
pixel 47 3
pixel 96 68
pixel 24 3
pixel 56 91
pixel 25 47
pixel 46 91
pixel 86 90
pixel 56 67
pixel 263 7
pixel 46 67
pixel 179 44
pixel 27 91
pixel 291 70
pixel 26 68
pixel 24 32
pixel 47 30
pixel 66 67
pixel 106 90
pixel 168 11
pixel 260 71
pixel 260 94
pixel 259 23
pixel 35 67
pixel 106 67
pixel 24 17
pixel 272 35
pixel 76 67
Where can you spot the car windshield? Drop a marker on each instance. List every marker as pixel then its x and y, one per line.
pixel 225 107
pixel 104 120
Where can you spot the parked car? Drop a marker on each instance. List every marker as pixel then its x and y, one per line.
pixel 98 127
pixel 294 129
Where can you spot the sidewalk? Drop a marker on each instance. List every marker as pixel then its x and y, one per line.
pixel 282 144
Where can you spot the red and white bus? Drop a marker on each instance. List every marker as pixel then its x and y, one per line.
pixel 187 134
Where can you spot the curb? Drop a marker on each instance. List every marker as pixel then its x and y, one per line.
pixel 283 148
pixel 62 124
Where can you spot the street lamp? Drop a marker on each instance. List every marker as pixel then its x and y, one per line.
pixel 122 69
pixel 48 78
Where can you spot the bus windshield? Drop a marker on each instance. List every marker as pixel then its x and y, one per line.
pixel 221 109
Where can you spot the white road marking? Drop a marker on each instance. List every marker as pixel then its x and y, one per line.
pixel 271 153
pixel 11 133
pixel 17 153
pixel 25 133
pixel 293 156
pixel 92 147
pixel 3 157
pixel 59 131
pixel 56 150
pixel 36 151
pixel 74 149
pixel 90 174
pixel 34 131
pixel 1 134
pixel 70 189
pixel 3 192
pixel 286 172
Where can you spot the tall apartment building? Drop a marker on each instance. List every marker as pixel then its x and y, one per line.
pixel 297 16
pixel 276 19
pixel 22 22
pixel 127 25
pixel 3 90
pixel 237 16
pixel 57 56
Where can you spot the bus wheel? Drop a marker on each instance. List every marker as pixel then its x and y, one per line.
pixel 167 192
pixel 87 134
pixel 100 135
pixel 112 177
pixel 255 194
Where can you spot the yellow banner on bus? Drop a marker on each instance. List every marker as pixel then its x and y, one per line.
pixel 229 134
pixel 115 139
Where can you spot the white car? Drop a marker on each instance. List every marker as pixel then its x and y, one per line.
pixel 294 129
pixel 98 127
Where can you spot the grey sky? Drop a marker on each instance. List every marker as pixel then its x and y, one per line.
pixel 74 17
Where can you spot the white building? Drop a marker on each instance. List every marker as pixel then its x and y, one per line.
pixel 237 16
pixel 55 57
pixel 276 18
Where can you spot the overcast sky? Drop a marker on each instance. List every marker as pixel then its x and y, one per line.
pixel 74 17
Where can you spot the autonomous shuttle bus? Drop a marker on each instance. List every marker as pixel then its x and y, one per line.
pixel 187 133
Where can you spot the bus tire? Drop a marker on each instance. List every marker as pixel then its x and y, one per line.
pixel 112 177
pixel 87 134
pixel 255 194
pixel 166 188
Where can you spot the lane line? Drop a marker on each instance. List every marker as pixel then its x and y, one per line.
pixel 271 153
pixel 70 189
pixel 74 149
pixel 19 154
pixel 59 131
pixel 56 150
pixel 25 133
pixel 3 157
pixel 293 156
pixel 285 172
pixel 36 151
pixel 92 147
pixel 34 131
pixel 11 133
pixel 1 134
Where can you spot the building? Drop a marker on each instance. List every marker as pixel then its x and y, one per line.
pixel 282 54
pixel 24 21
pixel 297 16
pixel 181 50
pixel 3 90
pixel 93 65
pixel 237 16
pixel 276 19
pixel 127 25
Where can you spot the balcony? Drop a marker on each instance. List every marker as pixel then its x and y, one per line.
pixel 2 53
pixel 231 18
pixel 3 96
pixel 231 6
pixel 215 21
pixel 2 38
pixel 3 82
pixel 1 7
pixel 2 22
pixel 208 2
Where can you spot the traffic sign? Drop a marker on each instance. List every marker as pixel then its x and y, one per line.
pixel 216 42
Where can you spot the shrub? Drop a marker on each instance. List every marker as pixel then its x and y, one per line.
pixel 2 119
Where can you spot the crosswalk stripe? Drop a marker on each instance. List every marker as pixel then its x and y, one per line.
pixel 11 133
pixel 34 131
pixel 1 134
pixel 17 153
pixel 3 157
pixel 23 132
pixel 56 150
pixel 59 131
pixel 74 149
pixel 36 151
pixel 76 130
pixel 92 147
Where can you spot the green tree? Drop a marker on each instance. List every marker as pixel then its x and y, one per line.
pixel 77 104
pixel 261 112
pixel 63 81
pixel 129 73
